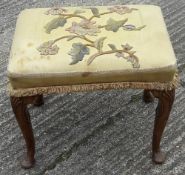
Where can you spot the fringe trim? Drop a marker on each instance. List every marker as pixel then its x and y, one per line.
pixel 92 87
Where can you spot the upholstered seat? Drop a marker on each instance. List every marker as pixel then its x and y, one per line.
pixel 76 45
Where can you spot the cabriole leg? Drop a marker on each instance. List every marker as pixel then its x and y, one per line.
pixel 19 106
pixel 164 107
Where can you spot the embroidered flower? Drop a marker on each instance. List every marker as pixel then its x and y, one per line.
pixel 121 9
pixel 85 27
pixel 55 11
pixel 47 48
pixel 126 47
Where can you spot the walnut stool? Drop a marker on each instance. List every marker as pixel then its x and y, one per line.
pixel 71 49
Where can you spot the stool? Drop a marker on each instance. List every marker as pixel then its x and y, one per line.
pixel 72 49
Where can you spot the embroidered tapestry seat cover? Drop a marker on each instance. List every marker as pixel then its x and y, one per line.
pixel 76 45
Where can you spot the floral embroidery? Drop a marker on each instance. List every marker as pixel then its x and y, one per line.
pixel 85 27
pixel 48 48
pixel 88 27
pixel 55 23
pixel 125 53
pixel 126 47
pixel 128 55
pixel 113 25
pixel 56 11
pixel 121 9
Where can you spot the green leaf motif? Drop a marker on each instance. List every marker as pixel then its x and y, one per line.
pixel 95 11
pixel 78 52
pixel 55 23
pixel 112 46
pixel 140 28
pixel 113 25
pixel 99 43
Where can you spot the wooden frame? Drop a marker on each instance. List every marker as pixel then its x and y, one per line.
pixel 165 97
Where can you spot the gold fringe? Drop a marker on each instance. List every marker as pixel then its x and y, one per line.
pixel 92 87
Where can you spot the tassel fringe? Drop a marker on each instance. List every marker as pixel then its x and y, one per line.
pixel 93 87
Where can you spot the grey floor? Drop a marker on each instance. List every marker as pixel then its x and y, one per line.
pixel 99 133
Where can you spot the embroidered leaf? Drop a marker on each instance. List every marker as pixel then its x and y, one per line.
pixel 55 23
pixel 113 25
pixel 112 46
pixel 78 12
pixel 99 43
pixel 78 52
pixel 139 28
pixel 131 27
pixel 95 11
